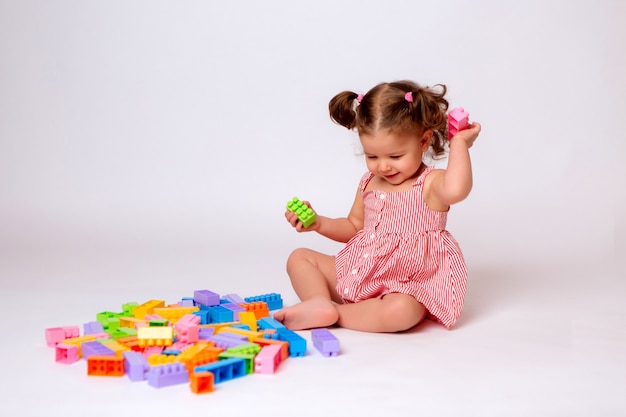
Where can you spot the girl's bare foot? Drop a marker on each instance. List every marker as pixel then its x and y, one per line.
pixel 309 314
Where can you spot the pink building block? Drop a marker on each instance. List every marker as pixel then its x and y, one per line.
pixel 268 359
pixel 458 119
pixel 55 335
pixel 66 353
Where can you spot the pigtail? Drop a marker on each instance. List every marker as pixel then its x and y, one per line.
pixel 341 109
pixel 431 109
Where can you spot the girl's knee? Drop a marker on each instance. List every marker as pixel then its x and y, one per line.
pixel 404 311
pixel 297 256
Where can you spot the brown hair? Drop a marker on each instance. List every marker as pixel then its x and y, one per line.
pixel 387 107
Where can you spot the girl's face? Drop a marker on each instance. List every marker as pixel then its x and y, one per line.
pixel 395 157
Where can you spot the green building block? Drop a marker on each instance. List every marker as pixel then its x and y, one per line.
pixel 304 212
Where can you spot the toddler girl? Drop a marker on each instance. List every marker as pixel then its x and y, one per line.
pixel 399 264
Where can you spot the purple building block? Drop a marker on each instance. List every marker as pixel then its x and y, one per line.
pixel 95 348
pixel 234 299
pixel 325 342
pixel 169 374
pixel 206 298
pixel 93 327
pixel 205 332
pixel 226 342
pixel 235 308
pixel 135 365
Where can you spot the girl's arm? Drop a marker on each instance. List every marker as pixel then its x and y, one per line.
pixel 341 229
pixel 454 184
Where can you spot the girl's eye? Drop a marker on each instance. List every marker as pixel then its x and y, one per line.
pixel 395 156
pixel 371 157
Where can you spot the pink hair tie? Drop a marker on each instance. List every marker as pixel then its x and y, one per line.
pixel 409 97
pixel 359 98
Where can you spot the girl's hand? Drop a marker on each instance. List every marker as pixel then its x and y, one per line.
pixel 292 218
pixel 468 136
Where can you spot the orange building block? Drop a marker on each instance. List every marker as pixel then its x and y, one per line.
pixel 261 341
pixel 202 382
pixel 259 308
pixel 105 365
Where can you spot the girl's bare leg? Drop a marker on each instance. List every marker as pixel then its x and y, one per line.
pixel 391 313
pixel 313 278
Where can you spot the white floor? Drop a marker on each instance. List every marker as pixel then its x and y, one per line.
pixel 533 341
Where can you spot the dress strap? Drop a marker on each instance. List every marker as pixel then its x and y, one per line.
pixel 422 177
pixel 365 179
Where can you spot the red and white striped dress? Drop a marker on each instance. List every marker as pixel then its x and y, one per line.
pixel 403 248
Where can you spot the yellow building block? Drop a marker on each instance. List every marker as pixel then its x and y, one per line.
pixel 174 314
pixel 248 318
pixel 155 336
pixel 147 308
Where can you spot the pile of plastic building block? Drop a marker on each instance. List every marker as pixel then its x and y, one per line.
pixel 201 341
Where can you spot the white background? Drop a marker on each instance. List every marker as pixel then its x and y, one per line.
pixel 147 149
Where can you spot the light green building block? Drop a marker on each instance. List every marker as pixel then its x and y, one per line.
pixel 305 214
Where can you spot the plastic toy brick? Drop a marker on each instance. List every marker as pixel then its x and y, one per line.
pixel 174 314
pixel 121 332
pixel 235 308
pixel 157 360
pixel 268 359
pixel 234 299
pixel 128 309
pixel 152 350
pixel 247 333
pixel 206 298
pixel 248 349
pixel 187 333
pixel 187 302
pixel 270 323
pixel 130 322
pixel 66 353
pixel 159 322
pixel 224 370
pixel 201 382
pixel 247 357
pixel 219 314
pixel 204 333
pixel 218 326
pixel 241 326
pixel 306 215
pixel 167 375
pixel 204 316
pixel 458 119
pixel 155 336
pixel 78 341
pixel 259 308
pixel 225 342
pixel 284 346
pixel 93 327
pixel 325 342
pixel 136 366
pixel 117 347
pixel 105 366
pixel 248 318
pixel 201 355
pixel 297 344
pixel 109 320
pixel 148 307
pixel 273 300
pixel 95 348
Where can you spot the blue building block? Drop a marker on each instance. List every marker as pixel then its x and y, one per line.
pixel 297 344
pixel 273 300
pixel 204 316
pixel 219 314
pixel 169 374
pixel 270 323
pixel 325 342
pixel 224 370
pixel 135 365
